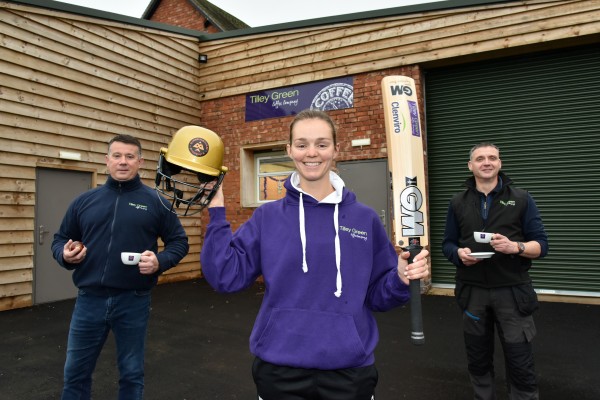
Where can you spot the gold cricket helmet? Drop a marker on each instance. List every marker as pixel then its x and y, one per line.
pixel 194 154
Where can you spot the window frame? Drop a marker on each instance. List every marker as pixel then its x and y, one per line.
pixel 249 191
pixel 260 156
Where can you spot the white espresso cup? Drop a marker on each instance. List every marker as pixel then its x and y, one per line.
pixel 482 237
pixel 130 258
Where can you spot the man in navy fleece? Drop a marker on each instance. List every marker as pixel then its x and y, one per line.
pixel 123 215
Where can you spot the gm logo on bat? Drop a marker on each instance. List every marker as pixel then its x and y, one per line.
pixel 411 201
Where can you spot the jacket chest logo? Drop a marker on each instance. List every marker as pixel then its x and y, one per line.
pixel 508 203
pixel 139 206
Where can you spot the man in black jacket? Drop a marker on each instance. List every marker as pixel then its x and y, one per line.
pixel 495 291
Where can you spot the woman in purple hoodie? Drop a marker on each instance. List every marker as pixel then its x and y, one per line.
pixel 327 265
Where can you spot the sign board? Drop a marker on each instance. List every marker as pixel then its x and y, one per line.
pixel 332 94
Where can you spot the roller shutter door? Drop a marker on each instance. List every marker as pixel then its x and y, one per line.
pixel 543 111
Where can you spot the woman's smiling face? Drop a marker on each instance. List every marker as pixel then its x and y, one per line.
pixel 312 149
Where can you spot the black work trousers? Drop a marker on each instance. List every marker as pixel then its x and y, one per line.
pixel 497 308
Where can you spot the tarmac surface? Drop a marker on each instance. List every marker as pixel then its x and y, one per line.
pixel 197 348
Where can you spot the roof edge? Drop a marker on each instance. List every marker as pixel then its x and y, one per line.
pixel 150 8
pixel 91 12
pixel 310 23
pixel 363 15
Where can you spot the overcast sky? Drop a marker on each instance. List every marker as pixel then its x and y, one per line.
pixel 261 12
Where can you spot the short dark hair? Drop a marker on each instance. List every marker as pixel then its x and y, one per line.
pixel 127 139
pixel 314 114
pixel 483 144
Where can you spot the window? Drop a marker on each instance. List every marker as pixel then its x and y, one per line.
pixel 263 169
pixel 272 171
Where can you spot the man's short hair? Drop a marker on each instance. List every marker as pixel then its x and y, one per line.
pixel 480 145
pixel 127 139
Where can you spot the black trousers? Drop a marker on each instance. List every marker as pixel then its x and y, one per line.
pixel 499 308
pixel 276 382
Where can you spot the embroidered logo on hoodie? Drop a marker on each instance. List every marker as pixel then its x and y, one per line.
pixel 354 233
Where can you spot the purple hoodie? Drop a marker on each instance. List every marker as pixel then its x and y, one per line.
pixel 326 266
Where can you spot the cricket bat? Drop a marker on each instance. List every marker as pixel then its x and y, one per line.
pixel 406 164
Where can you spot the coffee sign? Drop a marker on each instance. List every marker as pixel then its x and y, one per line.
pixel 333 94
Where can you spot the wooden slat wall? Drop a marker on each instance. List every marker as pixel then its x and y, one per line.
pixel 72 82
pixel 69 82
pixel 242 65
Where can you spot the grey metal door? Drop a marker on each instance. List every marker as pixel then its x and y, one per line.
pixel 55 189
pixel 369 179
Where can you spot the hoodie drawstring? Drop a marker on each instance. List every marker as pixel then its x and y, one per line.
pixel 338 280
pixel 303 234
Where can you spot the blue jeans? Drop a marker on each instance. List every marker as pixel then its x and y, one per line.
pixel 97 312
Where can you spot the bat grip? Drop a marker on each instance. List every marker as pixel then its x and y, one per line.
pixel 416 315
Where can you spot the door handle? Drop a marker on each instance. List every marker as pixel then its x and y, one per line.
pixel 382 217
pixel 41 233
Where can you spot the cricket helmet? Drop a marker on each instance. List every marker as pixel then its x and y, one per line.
pixel 197 154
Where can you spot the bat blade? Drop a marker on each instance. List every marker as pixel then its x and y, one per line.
pixel 406 163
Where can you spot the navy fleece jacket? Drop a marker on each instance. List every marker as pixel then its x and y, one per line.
pixel 116 217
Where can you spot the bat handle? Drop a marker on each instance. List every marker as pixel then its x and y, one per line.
pixel 416 315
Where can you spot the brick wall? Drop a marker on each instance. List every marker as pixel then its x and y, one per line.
pixel 181 13
pixel 226 117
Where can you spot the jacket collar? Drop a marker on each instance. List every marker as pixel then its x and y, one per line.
pixel 129 185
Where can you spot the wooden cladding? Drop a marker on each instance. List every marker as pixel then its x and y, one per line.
pixel 252 63
pixel 72 83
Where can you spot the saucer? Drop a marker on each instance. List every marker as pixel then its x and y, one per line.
pixel 482 254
